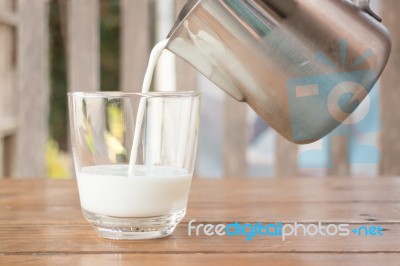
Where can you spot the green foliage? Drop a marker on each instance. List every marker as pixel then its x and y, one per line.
pixel 109 34
pixel 58 163
pixel 58 115
pixel 58 99
pixel 114 137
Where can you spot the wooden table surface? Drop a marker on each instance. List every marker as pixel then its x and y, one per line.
pixel 41 224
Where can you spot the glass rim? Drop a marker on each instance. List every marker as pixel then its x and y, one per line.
pixel 121 94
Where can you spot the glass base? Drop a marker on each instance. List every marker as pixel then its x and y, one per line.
pixel 134 228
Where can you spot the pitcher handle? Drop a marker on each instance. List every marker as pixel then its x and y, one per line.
pixel 364 5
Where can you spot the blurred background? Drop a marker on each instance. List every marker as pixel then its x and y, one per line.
pixel 50 47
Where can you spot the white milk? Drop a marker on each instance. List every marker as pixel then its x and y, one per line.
pixel 154 191
pixel 154 56
pixel 135 191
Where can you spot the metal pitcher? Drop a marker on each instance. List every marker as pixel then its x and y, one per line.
pixel 303 65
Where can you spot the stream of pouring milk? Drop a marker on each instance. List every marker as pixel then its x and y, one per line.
pixel 154 56
pixel 135 190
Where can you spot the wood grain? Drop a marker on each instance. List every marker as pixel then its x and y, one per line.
pixel 83 45
pixel 41 223
pixel 33 89
pixel 285 157
pixel 339 154
pixel 8 18
pixel 8 110
pixel 135 43
pixel 389 94
pixel 278 259
pixel 235 138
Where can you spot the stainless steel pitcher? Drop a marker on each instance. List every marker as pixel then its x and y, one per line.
pixel 303 65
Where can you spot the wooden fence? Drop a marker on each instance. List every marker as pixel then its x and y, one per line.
pixel 24 83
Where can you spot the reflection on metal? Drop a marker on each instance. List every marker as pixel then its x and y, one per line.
pixel 255 49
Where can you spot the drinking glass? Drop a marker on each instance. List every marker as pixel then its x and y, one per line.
pixel 134 156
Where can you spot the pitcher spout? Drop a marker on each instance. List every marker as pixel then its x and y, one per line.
pixel 189 6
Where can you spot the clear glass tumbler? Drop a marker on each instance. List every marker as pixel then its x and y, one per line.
pixel 134 157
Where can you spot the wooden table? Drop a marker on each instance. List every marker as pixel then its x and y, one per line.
pixel 41 224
